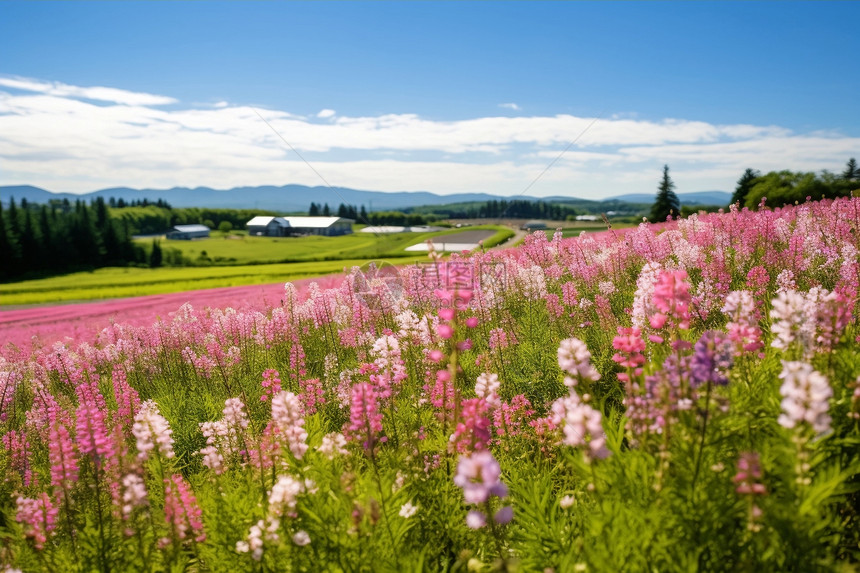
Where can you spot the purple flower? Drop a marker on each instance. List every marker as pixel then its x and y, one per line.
pixel 712 357
pixel 504 515
pixel 478 475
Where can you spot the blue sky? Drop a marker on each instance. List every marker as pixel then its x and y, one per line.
pixel 437 96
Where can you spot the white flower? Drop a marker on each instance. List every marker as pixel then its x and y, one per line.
pixel 581 425
pixel 566 501
pixel 806 395
pixel 333 445
pixel 287 416
pixel 575 359
pixel 151 429
pixel 301 538
pixel 407 510
pixel 284 495
pixel 133 493
pixel 487 387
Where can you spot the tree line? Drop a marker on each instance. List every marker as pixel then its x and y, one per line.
pixel 152 219
pixel 777 188
pixel 789 187
pixel 62 236
pixel 493 209
pixel 504 209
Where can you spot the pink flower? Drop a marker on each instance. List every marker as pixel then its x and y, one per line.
pixel 18 446
pixel 38 516
pixel 61 453
pixel 365 420
pixel 472 433
pixel 271 384
pixel 749 475
pixel 672 299
pixel 181 510
pixel 630 347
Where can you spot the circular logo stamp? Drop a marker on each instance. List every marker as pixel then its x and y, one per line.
pixel 378 285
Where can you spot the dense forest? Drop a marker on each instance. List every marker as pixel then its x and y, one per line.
pixel 63 236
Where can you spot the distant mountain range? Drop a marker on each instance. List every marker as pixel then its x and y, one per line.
pixel 289 198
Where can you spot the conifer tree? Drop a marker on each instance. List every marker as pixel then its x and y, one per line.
pixel 666 202
pixel 155 257
pixel 852 172
pixel 9 255
pixel 745 183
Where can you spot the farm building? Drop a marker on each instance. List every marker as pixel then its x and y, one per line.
pixel 534 226
pixel 328 226
pixel 188 232
pixel 268 227
pixel 287 226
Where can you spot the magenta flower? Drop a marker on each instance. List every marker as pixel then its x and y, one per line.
pixel 62 455
pixel 672 299
pixel 365 420
pixel 181 510
pixel 472 433
pixel 748 475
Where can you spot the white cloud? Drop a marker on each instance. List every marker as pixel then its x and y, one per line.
pixel 54 136
pixel 95 93
pixel 512 106
pixel 326 113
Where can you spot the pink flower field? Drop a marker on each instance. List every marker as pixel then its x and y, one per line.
pixel 678 397
pixel 45 325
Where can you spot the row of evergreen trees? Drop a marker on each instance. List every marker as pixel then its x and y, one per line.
pixel 495 209
pixel 121 203
pixel 504 209
pixel 62 236
pixel 345 211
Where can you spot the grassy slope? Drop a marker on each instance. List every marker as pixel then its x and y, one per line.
pixel 249 250
pixel 127 282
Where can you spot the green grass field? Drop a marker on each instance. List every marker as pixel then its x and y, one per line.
pixel 581 227
pixel 113 282
pixel 242 249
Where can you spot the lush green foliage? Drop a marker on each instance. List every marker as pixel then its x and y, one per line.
pixel 788 187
